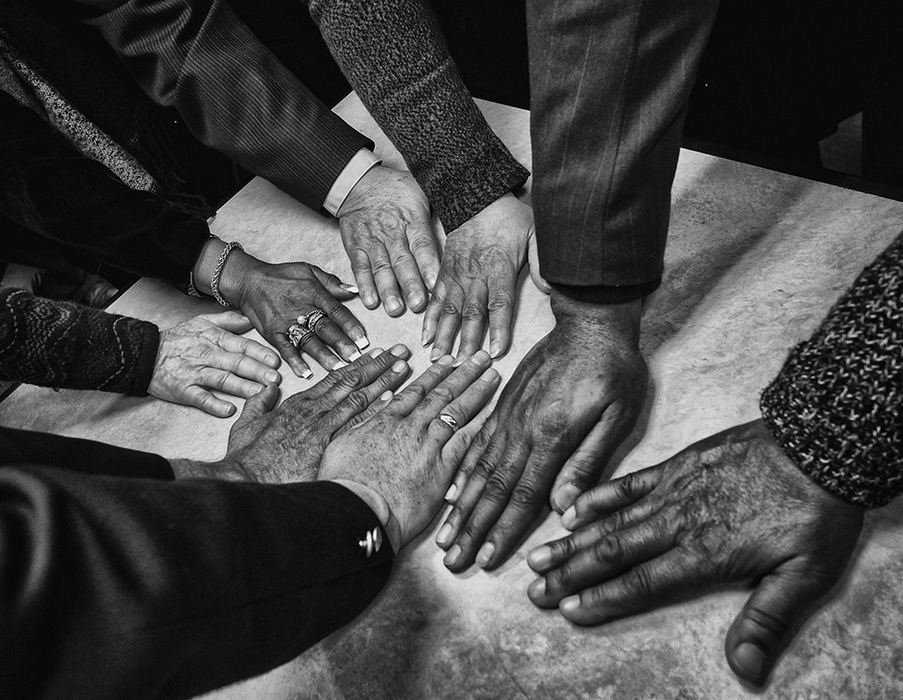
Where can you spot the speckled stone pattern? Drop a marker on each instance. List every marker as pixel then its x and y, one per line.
pixel 755 259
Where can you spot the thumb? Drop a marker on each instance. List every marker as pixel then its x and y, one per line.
pixel 533 261
pixel 772 615
pixel 333 284
pixel 231 321
pixel 261 403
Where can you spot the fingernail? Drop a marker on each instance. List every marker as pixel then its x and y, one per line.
pixel 566 495
pixel 481 357
pixel 272 377
pixel 362 342
pixel 416 301
pixel 445 360
pixel 569 518
pixel 444 533
pixel 537 589
pixel 452 557
pixel 386 396
pixel 339 364
pixel 751 659
pixel 451 493
pixel 355 356
pixel 376 352
pixel 393 304
pixel 399 366
pixel 370 301
pixel 349 287
pixel 425 338
pixel 571 604
pixel 272 360
pixel 459 360
pixel 306 373
pixel 495 348
pixel 485 554
pixel 435 354
pixel 399 350
pixel 540 557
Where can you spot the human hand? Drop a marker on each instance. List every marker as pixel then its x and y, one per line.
pixel 388 234
pixel 477 280
pixel 286 444
pixel 272 296
pixel 570 403
pixel 206 352
pixel 733 507
pixel 406 454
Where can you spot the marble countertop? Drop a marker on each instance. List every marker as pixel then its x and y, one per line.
pixel 755 259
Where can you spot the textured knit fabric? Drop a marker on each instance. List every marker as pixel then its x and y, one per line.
pixel 837 405
pixel 64 345
pixel 394 56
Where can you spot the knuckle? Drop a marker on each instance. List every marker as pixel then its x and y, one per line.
pixel 767 622
pixel 473 312
pixel 497 490
pixel 639 582
pixel 525 494
pixel 358 401
pixel 499 303
pixel 484 468
pixel 560 579
pixel 352 377
pixel 442 395
pixel 608 550
pixel 449 309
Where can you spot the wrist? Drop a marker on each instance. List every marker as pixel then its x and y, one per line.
pixel 587 318
pixel 380 508
pixel 223 470
pixel 233 274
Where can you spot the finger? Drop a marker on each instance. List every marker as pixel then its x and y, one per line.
pixel 335 338
pixel 261 403
pixel 363 276
pixel 316 348
pixel 407 273
pixel 433 311
pixel 243 366
pixel 469 533
pixel 339 314
pixel 660 580
pixel 533 261
pixel 246 346
pixel 439 398
pixel 360 399
pixel 231 321
pixel 463 410
pixel 384 277
pixel 426 252
pixel 207 402
pixel 611 496
pixel 366 415
pixel 291 356
pixel 501 316
pixel 333 284
pixel 370 365
pixel 601 560
pixel 583 467
pixel 228 383
pixel 556 553
pixel 449 322
pixel 777 608
pixel 477 447
pixel 473 322
pixel 409 398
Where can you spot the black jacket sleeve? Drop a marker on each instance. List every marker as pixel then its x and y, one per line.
pixel 51 189
pixel 119 587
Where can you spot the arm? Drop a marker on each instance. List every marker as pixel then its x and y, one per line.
pixel 779 502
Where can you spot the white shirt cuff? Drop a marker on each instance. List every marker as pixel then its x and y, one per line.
pixel 357 167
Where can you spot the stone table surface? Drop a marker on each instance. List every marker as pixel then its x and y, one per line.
pixel 755 259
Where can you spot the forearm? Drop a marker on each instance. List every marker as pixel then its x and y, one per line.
pixel 836 408
pixel 134 588
pixel 65 345
pixel 609 87
pixel 394 56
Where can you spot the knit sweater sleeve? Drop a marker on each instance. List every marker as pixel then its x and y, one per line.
pixel 394 55
pixel 836 407
pixel 69 346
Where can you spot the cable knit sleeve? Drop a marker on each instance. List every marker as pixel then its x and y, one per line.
pixel 395 57
pixel 837 405
pixel 64 345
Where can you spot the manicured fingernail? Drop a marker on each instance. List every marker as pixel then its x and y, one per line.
pixel 751 659
pixel 425 338
pixel 339 364
pixel 362 342
pixel 399 350
pixel 540 557
pixel 435 354
pixel 306 373
pixel 571 604
pixel 399 366
pixel 569 517
pixel 376 352
pixel 393 304
pixel 537 589
pixel 485 554
pixel 349 287
pixel 565 496
pixel 452 557
pixel 481 357
pixel 444 534
pixel 445 360
pixel 495 348
pixel 354 356
pixel 451 493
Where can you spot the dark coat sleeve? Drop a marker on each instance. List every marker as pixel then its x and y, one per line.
pixel 51 189
pixel 122 587
pixel 233 93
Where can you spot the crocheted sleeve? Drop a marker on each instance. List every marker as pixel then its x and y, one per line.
pixel 837 405
pixel 64 345
pixel 394 55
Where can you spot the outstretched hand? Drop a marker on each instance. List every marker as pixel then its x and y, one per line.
pixel 731 508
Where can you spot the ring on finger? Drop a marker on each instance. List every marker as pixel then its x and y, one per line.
pixel 297 335
pixel 310 321
pixel 449 420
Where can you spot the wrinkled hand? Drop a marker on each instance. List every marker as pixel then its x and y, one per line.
pixel 272 296
pixel 405 453
pixel 730 508
pixel 203 354
pixel 569 404
pixel 286 444
pixel 388 235
pixel 477 280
